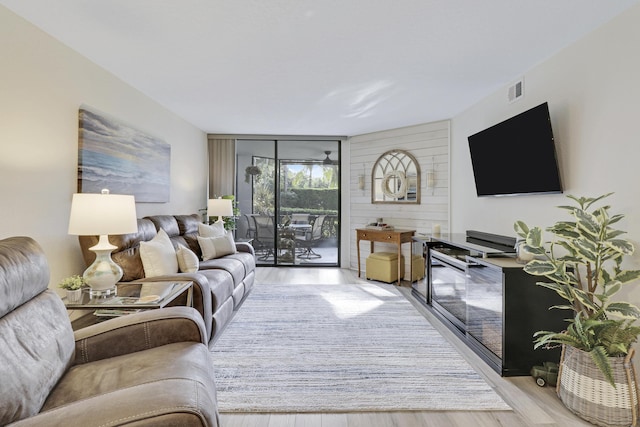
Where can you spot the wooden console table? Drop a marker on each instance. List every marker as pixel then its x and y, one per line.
pixel 396 236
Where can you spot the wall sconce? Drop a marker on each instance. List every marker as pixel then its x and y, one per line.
pixel 431 176
pixel 361 182
pixel 431 179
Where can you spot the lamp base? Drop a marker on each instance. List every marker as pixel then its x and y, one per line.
pixel 103 293
pixel 103 274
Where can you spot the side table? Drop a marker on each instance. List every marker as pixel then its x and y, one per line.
pixel 396 236
pixel 129 297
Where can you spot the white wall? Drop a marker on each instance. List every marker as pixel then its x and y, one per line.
pixel 429 144
pixel 42 85
pixel 593 92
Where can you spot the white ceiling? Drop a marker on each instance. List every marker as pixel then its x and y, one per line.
pixel 323 67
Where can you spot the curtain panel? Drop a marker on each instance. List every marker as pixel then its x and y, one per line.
pixel 222 167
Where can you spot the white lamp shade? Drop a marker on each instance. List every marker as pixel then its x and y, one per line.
pixel 102 214
pixel 220 207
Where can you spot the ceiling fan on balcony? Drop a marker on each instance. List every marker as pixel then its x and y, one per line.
pixel 327 161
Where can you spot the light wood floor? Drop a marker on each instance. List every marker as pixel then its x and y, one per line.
pixel 532 405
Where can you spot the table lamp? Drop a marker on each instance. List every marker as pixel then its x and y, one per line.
pixel 220 207
pixel 101 215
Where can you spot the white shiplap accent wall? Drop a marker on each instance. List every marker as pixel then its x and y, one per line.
pixel 429 144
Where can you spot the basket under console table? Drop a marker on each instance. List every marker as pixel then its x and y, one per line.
pixel 478 290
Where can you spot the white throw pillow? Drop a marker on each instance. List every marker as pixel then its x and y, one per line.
pixel 158 256
pixel 214 230
pixel 187 260
pixel 215 247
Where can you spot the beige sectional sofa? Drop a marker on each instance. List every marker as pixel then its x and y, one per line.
pixel 220 283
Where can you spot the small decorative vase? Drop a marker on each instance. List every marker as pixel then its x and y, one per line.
pixel 523 256
pixel 584 390
pixel 74 295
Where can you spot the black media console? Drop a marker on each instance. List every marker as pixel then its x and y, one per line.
pixel 474 285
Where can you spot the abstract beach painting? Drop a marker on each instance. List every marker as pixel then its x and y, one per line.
pixel 122 159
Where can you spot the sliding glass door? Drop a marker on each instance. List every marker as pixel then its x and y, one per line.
pixel 288 193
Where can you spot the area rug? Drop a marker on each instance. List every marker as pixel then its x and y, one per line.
pixel 340 348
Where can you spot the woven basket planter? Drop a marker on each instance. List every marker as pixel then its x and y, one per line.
pixel 584 390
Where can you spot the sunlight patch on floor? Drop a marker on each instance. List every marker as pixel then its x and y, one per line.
pixel 345 307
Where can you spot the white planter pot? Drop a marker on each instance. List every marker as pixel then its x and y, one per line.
pixel 74 295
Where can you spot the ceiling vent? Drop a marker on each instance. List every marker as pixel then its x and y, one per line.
pixel 516 90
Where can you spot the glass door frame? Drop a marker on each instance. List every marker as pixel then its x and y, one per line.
pixel 278 260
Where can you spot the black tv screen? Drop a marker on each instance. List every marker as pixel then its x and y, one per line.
pixel 516 156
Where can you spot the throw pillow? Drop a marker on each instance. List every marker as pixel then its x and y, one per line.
pixel 214 230
pixel 187 260
pixel 215 247
pixel 158 256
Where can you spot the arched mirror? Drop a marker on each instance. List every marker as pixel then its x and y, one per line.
pixel 395 178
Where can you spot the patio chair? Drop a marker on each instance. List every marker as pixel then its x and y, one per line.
pixel 264 236
pixel 251 227
pixel 311 239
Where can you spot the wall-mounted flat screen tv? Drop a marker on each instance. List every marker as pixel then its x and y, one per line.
pixel 516 156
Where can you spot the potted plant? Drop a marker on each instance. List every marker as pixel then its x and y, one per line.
pixel 251 171
pixel 73 285
pixel 230 221
pixel 583 264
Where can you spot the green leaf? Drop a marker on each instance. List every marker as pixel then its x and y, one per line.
pixel 586 202
pixel 534 237
pixel 581 252
pixel 615 219
pixel 588 222
pixel 585 299
pixel 565 291
pixel 521 229
pixel 611 290
pixel 623 246
pixel 548 338
pixel 568 232
pixel 624 309
pixel 601 359
pixel 562 307
pixel 536 250
pixel 567 246
pixel 540 267
pixel 587 244
pixel 611 234
pixel 627 276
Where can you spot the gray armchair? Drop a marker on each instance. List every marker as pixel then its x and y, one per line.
pixel 151 368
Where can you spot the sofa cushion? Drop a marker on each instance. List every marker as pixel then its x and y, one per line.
pixel 220 285
pixel 227 264
pixel 247 259
pixel 187 260
pixel 216 247
pixel 188 224
pixel 167 223
pixel 158 256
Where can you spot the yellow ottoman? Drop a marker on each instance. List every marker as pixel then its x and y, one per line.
pixel 383 266
pixel 418 267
